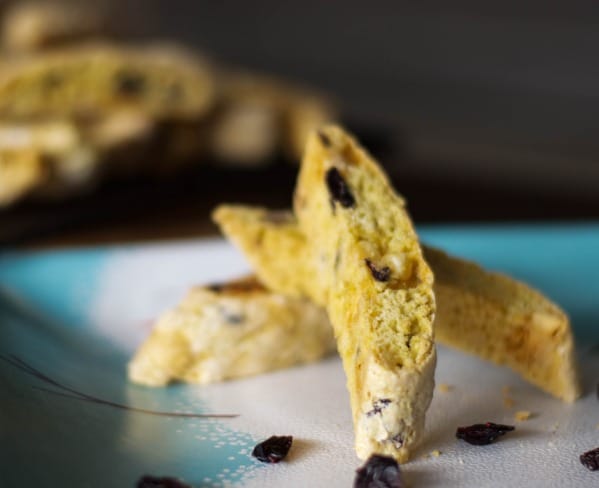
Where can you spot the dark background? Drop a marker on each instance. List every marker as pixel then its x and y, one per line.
pixel 481 111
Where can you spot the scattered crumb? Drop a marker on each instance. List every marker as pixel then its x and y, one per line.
pixel 550 444
pixel 508 401
pixel 445 388
pixel 435 453
pixel 460 460
pixel 522 415
pixel 553 428
pixel 597 426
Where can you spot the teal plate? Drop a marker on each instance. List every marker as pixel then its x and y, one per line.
pixel 69 321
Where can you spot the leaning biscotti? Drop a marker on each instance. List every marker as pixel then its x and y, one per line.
pixel 504 321
pixel 487 314
pixel 274 246
pixel 221 332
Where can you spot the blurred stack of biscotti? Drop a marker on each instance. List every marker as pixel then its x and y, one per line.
pixel 78 107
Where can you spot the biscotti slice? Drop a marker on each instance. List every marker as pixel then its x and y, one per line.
pixel 274 246
pixel 504 321
pixel 230 331
pixel 258 118
pixel 377 289
pixel 74 156
pixel 490 315
pixel 91 80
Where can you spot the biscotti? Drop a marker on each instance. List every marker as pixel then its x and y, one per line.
pixel 504 321
pixel 239 329
pixel 490 315
pixel 370 275
pixel 91 80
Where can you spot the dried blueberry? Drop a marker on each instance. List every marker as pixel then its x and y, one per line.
pixel 52 80
pixel 379 274
pixel 129 83
pixel 324 139
pixel 590 459
pixel 231 317
pixel 378 406
pixel 482 434
pixel 338 188
pixel 160 482
pixel 378 472
pixel 273 449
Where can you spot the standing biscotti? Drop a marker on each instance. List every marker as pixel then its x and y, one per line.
pixel 363 263
pixel 370 274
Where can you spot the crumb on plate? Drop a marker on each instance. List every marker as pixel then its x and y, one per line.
pixel 522 415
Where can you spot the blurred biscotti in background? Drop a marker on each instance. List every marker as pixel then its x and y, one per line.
pixel 92 80
pixel 77 108
pixel 30 26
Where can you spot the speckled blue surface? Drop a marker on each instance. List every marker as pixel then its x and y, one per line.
pixel 53 441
